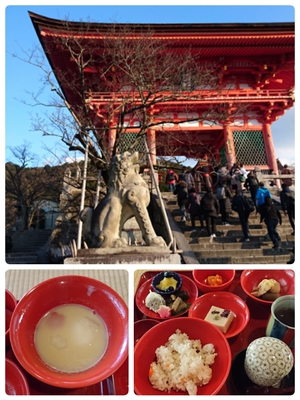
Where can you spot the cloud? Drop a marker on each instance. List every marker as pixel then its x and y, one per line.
pixel 283 132
pixel 71 160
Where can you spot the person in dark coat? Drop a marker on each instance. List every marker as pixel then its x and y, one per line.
pixel 287 200
pixel 286 171
pixel 194 209
pixel 188 177
pixel 171 179
pixel 239 205
pixel 181 190
pixel 271 216
pixel 224 197
pixel 210 208
pixel 252 185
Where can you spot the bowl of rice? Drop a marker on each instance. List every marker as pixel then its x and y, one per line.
pixel 181 356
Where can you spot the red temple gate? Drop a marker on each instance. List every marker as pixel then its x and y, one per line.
pixel 260 57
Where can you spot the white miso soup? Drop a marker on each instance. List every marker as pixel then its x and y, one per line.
pixel 71 338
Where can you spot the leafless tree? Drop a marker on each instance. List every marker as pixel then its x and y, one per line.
pixel 129 76
pixel 27 187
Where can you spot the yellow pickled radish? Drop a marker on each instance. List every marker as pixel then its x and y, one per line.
pixel 166 283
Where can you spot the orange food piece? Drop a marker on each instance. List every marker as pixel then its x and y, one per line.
pixel 150 371
pixel 214 280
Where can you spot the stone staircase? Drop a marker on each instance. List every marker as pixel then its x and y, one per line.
pixel 27 246
pixel 229 246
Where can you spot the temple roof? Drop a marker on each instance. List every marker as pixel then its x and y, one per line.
pixel 243 41
pixel 265 51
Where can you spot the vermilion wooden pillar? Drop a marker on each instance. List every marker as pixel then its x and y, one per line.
pixel 229 143
pixel 269 146
pixel 111 138
pixel 151 142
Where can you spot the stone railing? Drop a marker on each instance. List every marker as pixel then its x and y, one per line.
pixel 276 178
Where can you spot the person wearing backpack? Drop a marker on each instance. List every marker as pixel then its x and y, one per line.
pixel 181 190
pixel 260 195
pixel 224 197
pixel 171 179
pixel 188 177
pixel 194 209
pixel 252 185
pixel 223 175
pixel 271 216
pixel 287 201
pixel 210 208
pixel 239 205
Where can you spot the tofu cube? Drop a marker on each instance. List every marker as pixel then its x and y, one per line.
pixel 220 317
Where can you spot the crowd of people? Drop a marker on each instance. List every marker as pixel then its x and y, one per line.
pixel 205 196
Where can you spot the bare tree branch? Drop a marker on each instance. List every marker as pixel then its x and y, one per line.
pixel 130 77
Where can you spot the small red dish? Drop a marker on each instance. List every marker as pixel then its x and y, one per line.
pixel 250 278
pixel 10 305
pixel 15 381
pixel 188 285
pixel 227 300
pixel 142 326
pixel 144 354
pixel 200 276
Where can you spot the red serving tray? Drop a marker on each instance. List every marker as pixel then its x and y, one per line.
pixel 39 388
pixel 256 327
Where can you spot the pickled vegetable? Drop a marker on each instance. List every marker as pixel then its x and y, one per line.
pixel 214 280
pixel 167 283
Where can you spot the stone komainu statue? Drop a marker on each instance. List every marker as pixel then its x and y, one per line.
pixel 128 195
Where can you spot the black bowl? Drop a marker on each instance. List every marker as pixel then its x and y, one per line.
pixel 159 277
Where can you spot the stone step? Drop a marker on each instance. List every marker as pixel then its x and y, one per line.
pixel 21 254
pixel 239 259
pixel 229 247
pixel 204 243
pixel 235 228
pixel 22 258
pixel 30 240
pixel 243 251
pixel 237 236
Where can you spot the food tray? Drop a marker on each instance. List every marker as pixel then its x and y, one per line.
pixel 39 388
pixel 256 327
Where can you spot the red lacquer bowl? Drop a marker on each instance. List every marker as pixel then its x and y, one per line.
pixel 250 278
pixel 10 305
pixel 72 289
pixel 226 300
pixel 15 381
pixel 188 285
pixel 144 354
pixel 142 326
pixel 200 276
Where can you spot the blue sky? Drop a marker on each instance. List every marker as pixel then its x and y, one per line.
pixel 21 78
